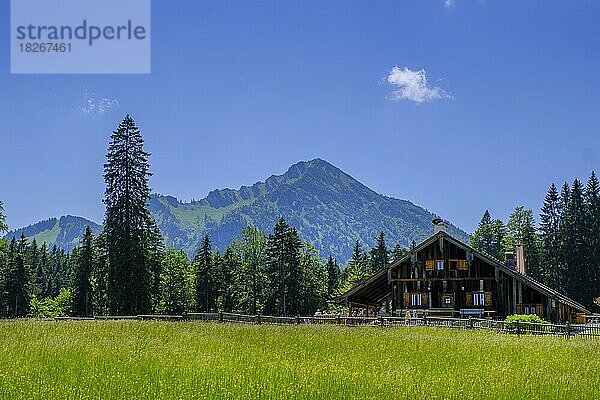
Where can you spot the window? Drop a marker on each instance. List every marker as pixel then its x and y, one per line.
pixel 463 265
pixel 479 299
pixel 439 265
pixel 416 299
pixel 453 265
pixel 530 309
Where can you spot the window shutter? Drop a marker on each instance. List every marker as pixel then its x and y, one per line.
pixel 463 265
pixel 406 300
pixel 425 299
pixel 469 299
pixel 430 265
pixel 488 299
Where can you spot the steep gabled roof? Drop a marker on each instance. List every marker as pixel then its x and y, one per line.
pixel 378 283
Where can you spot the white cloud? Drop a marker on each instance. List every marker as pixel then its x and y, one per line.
pixel 449 3
pixel 94 104
pixel 412 85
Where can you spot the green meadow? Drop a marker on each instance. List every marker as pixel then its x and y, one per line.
pixel 195 360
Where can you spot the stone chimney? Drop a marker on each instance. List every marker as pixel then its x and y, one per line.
pixel 439 225
pixel 520 259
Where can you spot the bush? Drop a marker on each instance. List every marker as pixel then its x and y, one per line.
pixel 59 306
pixel 529 318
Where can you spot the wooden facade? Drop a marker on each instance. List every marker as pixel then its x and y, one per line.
pixel 443 276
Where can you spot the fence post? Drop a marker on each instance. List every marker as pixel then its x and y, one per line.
pixel 258 319
pixel 518 330
pixel 220 316
pixel 470 323
pixel 297 320
pixel 568 330
pixel 424 320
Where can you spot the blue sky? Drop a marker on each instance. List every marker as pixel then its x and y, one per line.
pixel 242 90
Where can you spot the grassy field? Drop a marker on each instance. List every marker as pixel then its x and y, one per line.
pixel 134 359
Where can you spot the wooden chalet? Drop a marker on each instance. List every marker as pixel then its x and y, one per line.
pixel 444 276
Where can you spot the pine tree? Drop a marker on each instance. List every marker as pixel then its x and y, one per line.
pixel 379 258
pixel 356 270
pixel 127 221
pixel 4 258
pixel 333 276
pixel 3 226
pixel 549 236
pixel 42 272
pixel 574 242
pixel 229 265
pixel 33 259
pixel 489 236
pixel 18 282
pixel 283 265
pixel 204 281
pixel 398 252
pixel 592 240
pixel 84 259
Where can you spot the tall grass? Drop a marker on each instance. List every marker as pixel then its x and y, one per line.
pixel 134 359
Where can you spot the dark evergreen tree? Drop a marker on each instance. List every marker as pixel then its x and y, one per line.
pixel 333 276
pixel 42 272
pixel 229 265
pixel 127 221
pixel 550 216
pixel 489 236
pixel 18 284
pixel 204 283
pixel 283 266
pixel 574 243
pixel 398 252
pixel 33 259
pixel 379 255
pixel 84 259
pixel 592 240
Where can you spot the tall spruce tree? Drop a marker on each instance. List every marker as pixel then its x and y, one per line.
pixel 592 240
pixel 379 255
pixel 574 243
pixel 3 226
pixel 229 264
pixel 489 236
pixel 283 265
pixel 356 270
pixel 204 282
pixel 18 280
pixel 333 276
pixel 126 221
pixel 84 258
pixel 550 216
pixel 4 263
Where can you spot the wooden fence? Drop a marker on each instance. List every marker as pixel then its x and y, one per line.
pixel 517 328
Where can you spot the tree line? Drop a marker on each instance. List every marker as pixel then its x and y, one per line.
pixel 127 269
pixel 563 250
